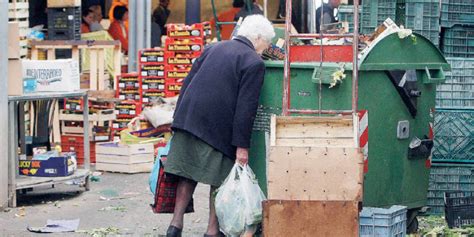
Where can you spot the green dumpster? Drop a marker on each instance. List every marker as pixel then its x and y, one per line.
pixel 397 85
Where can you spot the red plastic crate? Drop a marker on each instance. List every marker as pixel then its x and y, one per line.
pixel 153 83
pixel 120 123
pixel 169 94
pixel 129 94
pixel 184 45
pixel 155 55
pixel 177 71
pixel 76 144
pixel 152 70
pixel 174 80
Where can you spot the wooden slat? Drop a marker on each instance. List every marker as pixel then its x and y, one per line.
pixel 117 64
pixel 90 44
pixel 101 67
pixel 310 218
pixel 309 173
pixel 56 125
pixel 75 53
pixel 51 54
pixel 93 69
pixel 315 142
pixel 34 53
pixel 314 130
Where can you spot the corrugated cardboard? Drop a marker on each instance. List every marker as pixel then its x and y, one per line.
pixel 13 40
pixel 15 78
pixel 53 75
pixel 64 3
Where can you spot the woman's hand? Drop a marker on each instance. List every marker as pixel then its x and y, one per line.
pixel 242 155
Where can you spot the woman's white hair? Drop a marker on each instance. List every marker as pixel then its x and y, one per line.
pixel 256 26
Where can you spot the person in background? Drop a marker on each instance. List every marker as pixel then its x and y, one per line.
pixel 117 28
pixel 214 116
pixel 95 7
pixel 328 15
pixel 244 11
pixel 159 19
pixel 228 16
pixel 116 3
pixel 87 20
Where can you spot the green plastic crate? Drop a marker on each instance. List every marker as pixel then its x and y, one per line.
pixel 345 13
pixel 422 16
pixel 375 12
pixel 457 12
pixel 458 41
pixel 454 136
pixel 457 92
pixel 448 177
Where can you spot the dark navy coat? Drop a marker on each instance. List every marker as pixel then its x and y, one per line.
pixel 219 98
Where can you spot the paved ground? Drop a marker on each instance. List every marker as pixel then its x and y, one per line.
pixel 118 201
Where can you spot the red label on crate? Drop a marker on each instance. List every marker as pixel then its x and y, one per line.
pixel 173 87
pixel 152 56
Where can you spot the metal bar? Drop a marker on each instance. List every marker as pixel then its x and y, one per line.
pixel 132 36
pixel 265 8
pixel 355 69
pixel 309 111
pixel 59 43
pixel 140 24
pixel 4 144
pixel 218 27
pixel 286 71
pixel 13 154
pixel 85 113
pixel 227 23
pixel 148 14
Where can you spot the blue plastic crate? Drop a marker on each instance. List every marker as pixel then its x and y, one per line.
pixel 375 12
pixel 448 177
pixel 457 92
pixel 383 222
pixel 457 12
pixel 458 41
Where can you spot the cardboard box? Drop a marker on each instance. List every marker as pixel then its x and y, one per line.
pixel 129 95
pixel 152 55
pixel 128 109
pixel 153 83
pixel 150 97
pixel 152 70
pixel 174 87
pixel 52 167
pixel 15 77
pixel 64 3
pixel 53 75
pixel 128 81
pixel 185 31
pixel 184 45
pixel 13 40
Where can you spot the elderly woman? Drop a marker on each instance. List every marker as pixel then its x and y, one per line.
pixel 214 115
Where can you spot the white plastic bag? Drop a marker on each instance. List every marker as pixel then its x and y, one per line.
pixel 239 202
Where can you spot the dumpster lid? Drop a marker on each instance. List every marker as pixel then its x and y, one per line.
pixel 389 52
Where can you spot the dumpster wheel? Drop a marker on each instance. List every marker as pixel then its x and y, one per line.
pixel 412 221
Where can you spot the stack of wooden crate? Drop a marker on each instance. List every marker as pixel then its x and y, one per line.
pixel 315 174
pixel 18 11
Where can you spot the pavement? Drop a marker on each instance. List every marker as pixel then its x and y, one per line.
pixel 117 205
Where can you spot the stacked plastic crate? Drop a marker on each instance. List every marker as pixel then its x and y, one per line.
pixel 345 13
pixel 64 23
pixel 422 16
pixel 18 11
pixel 152 75
pixel 453 155
pixel 375 12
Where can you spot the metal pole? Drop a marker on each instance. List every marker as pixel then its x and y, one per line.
pixel 148 23
pixel 140 13
pixel 132 36
pixel 355 66
pixel 286 76
pixel 265 8
pixel 4 104
pixel 193 11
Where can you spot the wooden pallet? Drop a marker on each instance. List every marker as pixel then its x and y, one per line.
pixel 102 116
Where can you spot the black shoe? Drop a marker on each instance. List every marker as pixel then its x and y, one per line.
pixel 220 234
pixel 173 231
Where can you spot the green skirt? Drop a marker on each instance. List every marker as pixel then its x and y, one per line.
pixel 192 158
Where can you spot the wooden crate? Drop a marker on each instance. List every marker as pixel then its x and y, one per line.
pixel 282 218
pixel 101 116
pixel 313 132
pixel 124 168
pixel 315 173
pixel 116 157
